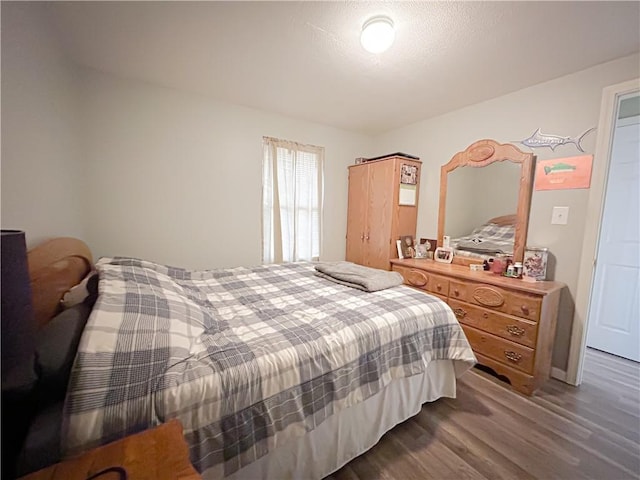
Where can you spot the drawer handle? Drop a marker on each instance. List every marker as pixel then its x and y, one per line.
pixel 512 356
pixel 456 292
pixel 485 315
pixel 525 309
pixel 438 287
pixel 515 330
pixel 460 313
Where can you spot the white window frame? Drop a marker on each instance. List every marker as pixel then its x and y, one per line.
pixel 288 237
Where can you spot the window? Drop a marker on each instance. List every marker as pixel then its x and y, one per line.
pixel 291 201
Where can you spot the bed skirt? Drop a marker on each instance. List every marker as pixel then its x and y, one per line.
pixel 354 430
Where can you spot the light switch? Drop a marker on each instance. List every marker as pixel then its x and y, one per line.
pixel 560 216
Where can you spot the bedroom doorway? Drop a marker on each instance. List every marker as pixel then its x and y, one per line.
pixel 604 283
pixel 614 316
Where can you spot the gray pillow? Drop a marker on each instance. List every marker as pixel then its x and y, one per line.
pixel 56 347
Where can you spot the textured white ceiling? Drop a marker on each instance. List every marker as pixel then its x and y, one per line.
pixel 304 59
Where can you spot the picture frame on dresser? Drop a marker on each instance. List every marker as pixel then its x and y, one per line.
pixel 443 255
pixel 430 244
pixel 421 251
pixel 407 244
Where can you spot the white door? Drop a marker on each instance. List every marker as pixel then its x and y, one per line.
pixel 614 316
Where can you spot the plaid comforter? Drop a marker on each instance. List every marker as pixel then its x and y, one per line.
pixel 247 358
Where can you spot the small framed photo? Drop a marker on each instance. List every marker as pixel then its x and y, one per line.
pixel 409 174
pixel 408 247
pixel 430 245
pixel 535 263
pixel 443 255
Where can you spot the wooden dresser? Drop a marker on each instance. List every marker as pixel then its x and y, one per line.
pixel 510 323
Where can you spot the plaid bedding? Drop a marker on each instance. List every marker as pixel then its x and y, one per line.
pixel 247 358
pixel 487 239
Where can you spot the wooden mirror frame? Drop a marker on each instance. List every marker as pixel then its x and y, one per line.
pixel 481 154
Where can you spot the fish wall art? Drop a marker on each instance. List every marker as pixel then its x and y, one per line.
pixel 539 139
pixel 563 173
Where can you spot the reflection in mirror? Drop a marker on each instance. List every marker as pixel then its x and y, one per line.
pixel 489 181
pixel 476 195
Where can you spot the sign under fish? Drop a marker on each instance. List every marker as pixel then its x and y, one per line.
pixel 539 139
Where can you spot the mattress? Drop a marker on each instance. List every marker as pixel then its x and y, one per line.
pixel 248 359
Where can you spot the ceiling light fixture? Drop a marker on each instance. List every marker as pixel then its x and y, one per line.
pixel 378 34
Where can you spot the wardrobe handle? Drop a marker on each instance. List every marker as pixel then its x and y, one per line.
pixel 367 237
pixel 362 237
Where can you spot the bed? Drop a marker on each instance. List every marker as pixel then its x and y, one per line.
pixel 272 371
pixel 496 236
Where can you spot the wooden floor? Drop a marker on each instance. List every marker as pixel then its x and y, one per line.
pixel 491 432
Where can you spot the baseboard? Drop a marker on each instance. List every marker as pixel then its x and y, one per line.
pixel 558 374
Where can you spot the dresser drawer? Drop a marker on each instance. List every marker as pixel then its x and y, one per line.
pixel 429 282
pixel 504 351
pixel 497 298
pixel 512 328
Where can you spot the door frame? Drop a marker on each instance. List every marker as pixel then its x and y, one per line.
pixel 595 206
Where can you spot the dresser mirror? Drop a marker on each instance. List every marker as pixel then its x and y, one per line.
pixel 485 196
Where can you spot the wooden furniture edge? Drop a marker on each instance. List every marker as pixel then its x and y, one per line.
pixel 546 336
pixel 160 449
pixel 55 266
pixel 392 157
pixel 480 154
pixel 458 271
pixel 550 293
pixel 519 381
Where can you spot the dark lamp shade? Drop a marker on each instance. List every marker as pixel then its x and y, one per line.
pixel 18 323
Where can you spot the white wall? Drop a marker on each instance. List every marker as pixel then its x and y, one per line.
pixel 565 106
pixel 176 178
pixel 41 160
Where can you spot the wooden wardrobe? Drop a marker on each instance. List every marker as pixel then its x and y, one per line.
pixel 380 209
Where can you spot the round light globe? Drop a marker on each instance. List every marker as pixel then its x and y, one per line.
pixel 377 34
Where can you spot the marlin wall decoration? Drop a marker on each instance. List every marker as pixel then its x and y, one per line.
pixel 539 139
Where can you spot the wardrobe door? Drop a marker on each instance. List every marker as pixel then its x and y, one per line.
pixel 357 213
pixel 405 217
pixel 377 236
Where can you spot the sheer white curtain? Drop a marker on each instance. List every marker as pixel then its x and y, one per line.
pixel 292 193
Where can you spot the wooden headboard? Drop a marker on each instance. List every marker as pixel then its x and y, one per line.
pixel 504 220
pixel 54 267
